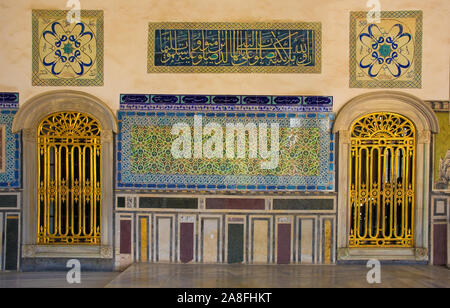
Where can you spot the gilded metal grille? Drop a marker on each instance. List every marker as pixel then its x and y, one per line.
pixel 382 181
pixel 69 189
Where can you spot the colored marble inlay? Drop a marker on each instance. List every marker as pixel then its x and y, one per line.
pixel 234 47
pixel 284 244
pixel 186 242
pixel 164 239
pixel 210 236
pixel 144 239
pixel 440 244
pixel 306 240
pixel 125 236
pixel 10 145
pixel 227 234
pixel 67 53
pixel 327 242
pixel 235 245
pixel 12 242
pixel 170 149
pixel 261 232
pixel 386 54
pixel 234 204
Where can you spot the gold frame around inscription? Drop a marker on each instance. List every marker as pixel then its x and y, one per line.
pixel 316 26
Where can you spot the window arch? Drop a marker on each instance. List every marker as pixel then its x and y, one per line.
pixel 425 124
pixel 27 121
pixel 69 191
pixel 381 212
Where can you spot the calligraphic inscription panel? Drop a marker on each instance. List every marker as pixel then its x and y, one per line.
pixel 234 48
pixel 225 146
pixel 67 53
pixel 386 54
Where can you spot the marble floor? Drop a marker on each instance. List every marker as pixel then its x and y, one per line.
pixel 278 276
pixel 142 275
pixel 54 280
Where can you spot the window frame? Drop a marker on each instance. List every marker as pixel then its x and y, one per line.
pixel 426 124
pixel 27 121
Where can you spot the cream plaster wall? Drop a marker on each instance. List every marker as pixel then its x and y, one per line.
pixel 126 23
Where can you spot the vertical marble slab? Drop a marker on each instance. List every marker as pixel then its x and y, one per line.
pixel 12 242
pixel 123 241
pixel 164 239
pixel 440 244
pixel 186 241
pixel 283 241
pixel 306 239
pixel 143 221
pixel 235 246
pixel 327 241
pixel 260 243
pixel 210 240
pixel 125 237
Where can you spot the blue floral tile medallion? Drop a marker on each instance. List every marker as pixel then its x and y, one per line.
pixel 386 54
pixel 67 53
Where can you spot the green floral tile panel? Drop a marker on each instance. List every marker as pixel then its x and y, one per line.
pixel 151 152
pixel 195 151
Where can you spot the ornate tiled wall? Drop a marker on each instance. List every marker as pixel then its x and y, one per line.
pixel 181 209
pixel 10 183
pixel 145 143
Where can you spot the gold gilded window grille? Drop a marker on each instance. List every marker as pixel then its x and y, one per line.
pixel 382 181
pixel 69 191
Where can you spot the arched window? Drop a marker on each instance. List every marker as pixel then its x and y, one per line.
pixel 69 192
pixel 381 212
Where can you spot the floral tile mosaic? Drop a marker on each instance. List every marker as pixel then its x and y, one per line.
pixel 221 47
pixel 387 54
pixel 10 147
pixel 145 158
pixel 64 53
